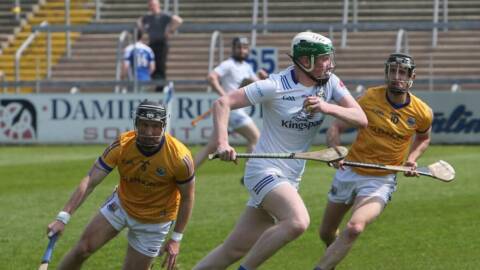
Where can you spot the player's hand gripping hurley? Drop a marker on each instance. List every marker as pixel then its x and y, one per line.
pixel 47 256
pixel 326 155
pixel 440 170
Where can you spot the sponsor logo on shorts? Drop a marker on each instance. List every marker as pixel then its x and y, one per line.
pixel 333 190
pixel 112 207
pixel 153 250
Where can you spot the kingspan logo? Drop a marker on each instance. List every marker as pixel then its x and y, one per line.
pixel 301 125
pixel 301 121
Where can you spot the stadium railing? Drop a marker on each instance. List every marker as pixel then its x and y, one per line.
pixel 245 27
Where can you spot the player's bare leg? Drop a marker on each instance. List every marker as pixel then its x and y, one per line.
pixel 135 260
pixel 365 210
pixel 248 229
pixel 96 234
pixel 286 205
pixel 202 155
pixel 334 213
pixel 251 133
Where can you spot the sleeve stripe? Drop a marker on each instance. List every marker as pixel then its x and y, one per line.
pixel 424 131
pixel 188 162
pixel 111 147
pixel 104 165
pixel 188 180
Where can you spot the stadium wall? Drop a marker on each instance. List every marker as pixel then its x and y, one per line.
pixel 99 118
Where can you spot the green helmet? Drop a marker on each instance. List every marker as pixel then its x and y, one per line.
pixel 310 44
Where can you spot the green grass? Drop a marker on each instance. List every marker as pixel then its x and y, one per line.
pixel 428 225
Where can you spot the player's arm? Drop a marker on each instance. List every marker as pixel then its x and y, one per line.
pixel 125 69
pixel 86 186
pixel 221 111
pixel 151 66
pixel 126 63
pixel 187 193
pixel 347 110
pixel 172 247
pixel 262 74
pixel 420 144
pixel 335 131
pixel 214 80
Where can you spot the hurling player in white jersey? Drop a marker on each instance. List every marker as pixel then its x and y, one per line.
pixel 294 102
pixel 225 78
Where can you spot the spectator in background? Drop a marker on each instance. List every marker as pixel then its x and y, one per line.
pixel 144 57
pixel 160 26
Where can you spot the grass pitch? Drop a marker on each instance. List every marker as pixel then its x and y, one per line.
pixel 428 225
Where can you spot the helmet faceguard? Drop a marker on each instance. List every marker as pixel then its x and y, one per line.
pixel 399 73
pixel 237 44
pixel 319 51
pixel 149 122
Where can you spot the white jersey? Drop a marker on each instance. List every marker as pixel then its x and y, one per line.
pixel 232 73
pixel 286 126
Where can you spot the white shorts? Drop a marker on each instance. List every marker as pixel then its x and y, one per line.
pixel 144 238
pixel 347 185
pixel 261 183
pixel 238 118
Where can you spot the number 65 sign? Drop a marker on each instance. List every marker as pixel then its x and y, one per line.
pixel 264 57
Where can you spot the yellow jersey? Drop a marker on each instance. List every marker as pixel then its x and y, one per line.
pixel 148 182
pixel 387 138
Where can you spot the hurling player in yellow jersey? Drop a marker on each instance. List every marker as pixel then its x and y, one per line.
pixel 398 132
pixel 156 188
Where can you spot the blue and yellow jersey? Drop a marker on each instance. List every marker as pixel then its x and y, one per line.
pixel 148 183
pixel 390 129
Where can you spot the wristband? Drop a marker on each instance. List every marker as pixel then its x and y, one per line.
pixel 63 217
pixel 177 237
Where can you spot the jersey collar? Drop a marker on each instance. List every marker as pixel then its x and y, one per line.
pixel 395 105
pixel 156 150
pixel 292 73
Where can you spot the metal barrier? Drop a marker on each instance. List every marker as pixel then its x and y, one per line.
pixel 124 36
pixel 21 49
pixel 216 36
pixel 253 37
pixel 166 6
pixel 98 10
pixel 402 37
pixel 41 84
pixel 279 27
pixel 343 43
pixel 436 9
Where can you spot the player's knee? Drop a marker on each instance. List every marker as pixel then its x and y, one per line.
pixel 234 253
pixel 327 236
pixel 238 253
pixel 354 229
pixel 297 226
pixel 84 249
